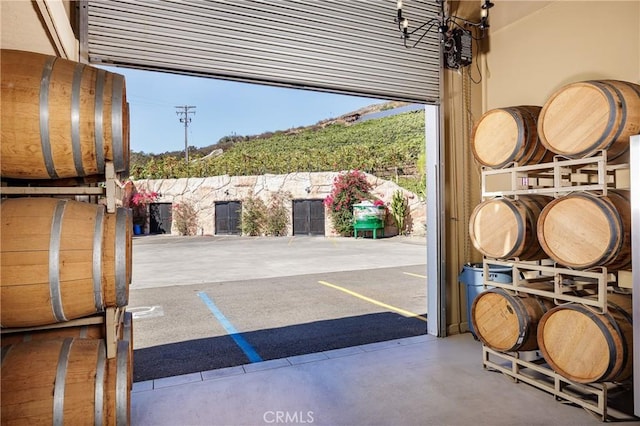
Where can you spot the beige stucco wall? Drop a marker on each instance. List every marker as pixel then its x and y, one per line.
pixel 560 43
pixel 42 26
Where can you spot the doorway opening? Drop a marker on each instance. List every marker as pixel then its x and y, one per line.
pixel 160 218
pixel 286 296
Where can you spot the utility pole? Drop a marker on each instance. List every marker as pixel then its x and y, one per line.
pixel 183 112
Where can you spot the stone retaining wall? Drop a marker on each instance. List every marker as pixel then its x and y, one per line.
pixel 203 193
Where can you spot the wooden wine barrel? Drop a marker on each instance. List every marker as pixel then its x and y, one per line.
pixel 582 230
pixel 508 322
pixel 503 228
pixel 60 119
pixel 116 259
pixel 119 381
pixel 58 381
pixel 585 346
pixel 584 117
pixel 48 274
pixel 93 331
pixel 507 135
pixel 53 262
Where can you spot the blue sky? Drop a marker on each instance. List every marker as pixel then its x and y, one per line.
pixel 222 108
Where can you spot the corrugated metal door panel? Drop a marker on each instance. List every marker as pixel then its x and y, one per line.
pixel 349 47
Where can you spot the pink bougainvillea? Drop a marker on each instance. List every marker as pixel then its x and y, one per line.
pixel 348 189
pixel 143 197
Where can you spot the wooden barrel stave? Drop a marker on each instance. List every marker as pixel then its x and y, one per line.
pixel 60 119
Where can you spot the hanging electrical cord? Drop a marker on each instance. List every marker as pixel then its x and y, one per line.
pixel 457 33
pixel 406 35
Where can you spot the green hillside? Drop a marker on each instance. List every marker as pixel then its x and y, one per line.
pixel 388 147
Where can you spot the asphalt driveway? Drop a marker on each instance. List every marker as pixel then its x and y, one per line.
pixel 202 303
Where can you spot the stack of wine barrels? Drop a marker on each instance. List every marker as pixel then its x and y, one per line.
pixel 64 262
pixel 506 228
pixel 580 230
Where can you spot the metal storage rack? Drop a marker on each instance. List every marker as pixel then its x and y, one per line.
pixel 593 397
pixel 564 281
pixel 557 178
pixel 111 190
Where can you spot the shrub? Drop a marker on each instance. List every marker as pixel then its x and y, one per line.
pixel 277 215
pixel 348 189
pixel 185 219
pixel 254 214
pixel 399 210
pixel 342 222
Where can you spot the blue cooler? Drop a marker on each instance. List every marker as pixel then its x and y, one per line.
pixel 472 275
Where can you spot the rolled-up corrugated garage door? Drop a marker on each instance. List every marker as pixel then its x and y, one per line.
pixel 351 47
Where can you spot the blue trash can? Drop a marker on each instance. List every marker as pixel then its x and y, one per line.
pixel 472 275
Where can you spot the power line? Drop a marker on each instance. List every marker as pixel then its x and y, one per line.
pixel 183 112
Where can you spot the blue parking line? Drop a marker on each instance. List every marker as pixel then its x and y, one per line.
pixel 230 329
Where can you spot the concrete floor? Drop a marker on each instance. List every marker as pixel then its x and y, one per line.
pixel 419 380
